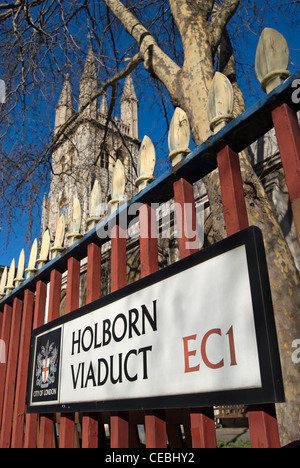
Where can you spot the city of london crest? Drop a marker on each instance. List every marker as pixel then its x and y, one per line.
pixel 46 365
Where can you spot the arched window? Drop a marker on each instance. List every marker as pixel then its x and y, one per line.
pixel 120 155
pixel 93 180
pixel 104 159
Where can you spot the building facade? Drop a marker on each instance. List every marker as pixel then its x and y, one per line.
pixel 89 149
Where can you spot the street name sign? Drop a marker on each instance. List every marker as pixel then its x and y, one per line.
pixel 200 332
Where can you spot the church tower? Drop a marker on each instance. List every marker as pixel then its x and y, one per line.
pixel 129 107
pixel 89 149
pixel 64 108
pixel 88 86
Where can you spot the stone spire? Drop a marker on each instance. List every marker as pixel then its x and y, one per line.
pixel 103 109
pixel 129 107
pixel 64 108
pixel 129 90
pixel 89 86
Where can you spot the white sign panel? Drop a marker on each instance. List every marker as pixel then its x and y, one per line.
pixel 190 333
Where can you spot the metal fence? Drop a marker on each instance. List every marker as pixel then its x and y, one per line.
pixel 23 307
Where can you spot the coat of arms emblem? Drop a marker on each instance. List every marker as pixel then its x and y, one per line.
pixel 46 365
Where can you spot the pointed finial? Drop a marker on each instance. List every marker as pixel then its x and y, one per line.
pixel 220 102
pixel 76 216
pixel 74 233
pixel 146 163
pixel 65 98
pixel 10 279
pixel 30 270
pixel 64 108
pixel 20 272
pixel 89 70
pixel 128 90
pixel 179 137
pixel 60 232
pixel 59 237
pixel 95 206
pixel 118 185
pixel 88 87
pixel 95 200
pixel 3 283
pixel 45 247
pixel 272 59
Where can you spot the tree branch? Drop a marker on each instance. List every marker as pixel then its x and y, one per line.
pixel 185 11
pixel 222 15
pixel 11 7
pixel 208 6
pixel 156 61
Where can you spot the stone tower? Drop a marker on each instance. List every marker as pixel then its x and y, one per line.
pixel 129 108
pixel 89 148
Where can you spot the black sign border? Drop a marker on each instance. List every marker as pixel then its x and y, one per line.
pixel 272 389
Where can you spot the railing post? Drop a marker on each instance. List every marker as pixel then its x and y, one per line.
pixel 11 374
pixel 236 219
pixel 93 280
pixel 54 295
pixel 148 240
pixel 188 242
pixel 21 384
pixel 46 431
pixel 271 67
pixel 203 428
pixel 202 420
pixel 73 280
pixel 90 431
pixel 119 420
pixel 30 439
pixel 262 426
pixel 234 207
pixel 67 421
pixel 155 429
pixel 5 334
pixel 46 421
pixel 118 258
pixel 119 430
pixel 155 421
pixel 288 137
pixel 90 425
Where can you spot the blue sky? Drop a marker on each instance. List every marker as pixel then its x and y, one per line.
pixel 151 123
